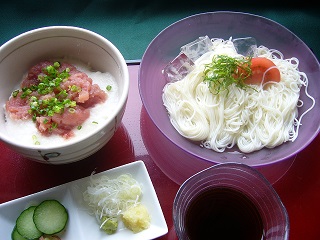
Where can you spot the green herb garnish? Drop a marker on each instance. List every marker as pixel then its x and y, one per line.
pixel 48 107
pixel 51 79
pixel 75 88
pixel 109 87
pixel 35 140
pixel 15 93
pixel 224 71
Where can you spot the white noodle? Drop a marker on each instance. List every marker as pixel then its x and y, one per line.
pixel 250 118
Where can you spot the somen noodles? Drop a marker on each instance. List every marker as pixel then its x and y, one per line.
pixel 250 118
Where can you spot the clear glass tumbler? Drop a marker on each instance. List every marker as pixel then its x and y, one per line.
pixel 229 201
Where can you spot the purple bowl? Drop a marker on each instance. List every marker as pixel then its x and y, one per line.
pixel 180 158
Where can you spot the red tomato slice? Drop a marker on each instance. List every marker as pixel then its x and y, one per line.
pixel 263 70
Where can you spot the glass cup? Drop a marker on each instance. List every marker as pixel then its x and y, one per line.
pixel 229 201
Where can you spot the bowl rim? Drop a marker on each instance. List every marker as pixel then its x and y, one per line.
pixel 293 154
pixel 62 31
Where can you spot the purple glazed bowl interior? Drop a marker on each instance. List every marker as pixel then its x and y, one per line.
pixel 166 46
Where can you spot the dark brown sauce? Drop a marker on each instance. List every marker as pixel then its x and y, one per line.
pixel 223 213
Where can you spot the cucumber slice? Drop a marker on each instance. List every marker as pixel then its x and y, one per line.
pixel 50 217
pixel 15 235
pixel 25 225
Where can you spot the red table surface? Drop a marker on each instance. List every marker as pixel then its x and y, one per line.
pixel 299 188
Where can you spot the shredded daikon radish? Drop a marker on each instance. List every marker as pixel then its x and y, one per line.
pixel 111 197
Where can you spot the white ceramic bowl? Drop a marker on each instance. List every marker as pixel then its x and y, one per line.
pixel 22 52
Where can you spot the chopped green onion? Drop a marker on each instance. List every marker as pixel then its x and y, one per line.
pixel 25 92
pixel 109 87
pixel 63 94
pixel 54 125
pixel 35 140
pixel 15 93
pixel 94 122
pixel 75 88
pixel 56 64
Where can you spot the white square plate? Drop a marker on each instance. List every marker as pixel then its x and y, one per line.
pixel 81 225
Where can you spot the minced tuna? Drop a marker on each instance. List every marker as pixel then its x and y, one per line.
pixel 57 97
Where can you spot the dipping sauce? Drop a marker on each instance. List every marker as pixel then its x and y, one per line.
pixel 223 213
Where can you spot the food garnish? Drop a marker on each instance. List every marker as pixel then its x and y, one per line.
pixel 109 224
pixel 25 224
pixel 35 140
pixel 109 87
pixel 56 217
pixel 263 70
pixel 136 218
pixel 42 221
pixel 112 199
pixel 224 71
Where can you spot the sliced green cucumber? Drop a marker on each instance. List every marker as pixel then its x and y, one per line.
pixel 25 225
pixel 15 235
pixel 50 217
